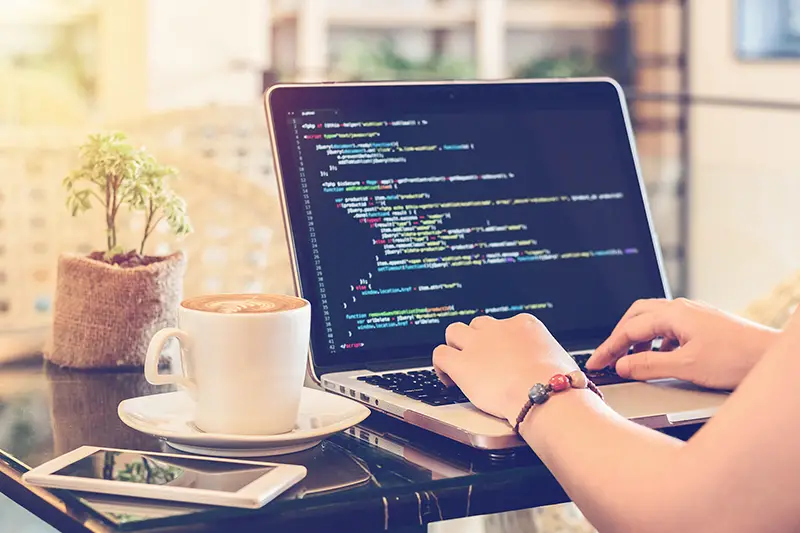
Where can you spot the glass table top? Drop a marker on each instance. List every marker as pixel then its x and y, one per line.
pixel 381 472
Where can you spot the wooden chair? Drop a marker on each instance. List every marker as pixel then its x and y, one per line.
pixel 234 138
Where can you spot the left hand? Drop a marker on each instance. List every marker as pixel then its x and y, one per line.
pixel 705 346
pixel 496 362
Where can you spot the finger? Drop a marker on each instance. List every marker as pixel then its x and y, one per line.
pixel 639 307
pixel 524 318
pixel 442 360
pixel 650 365
pixel 481 321
pixel 458 335
pixel 643 328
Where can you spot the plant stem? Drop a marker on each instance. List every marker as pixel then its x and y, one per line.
pixel 109 222
pixel 147 230
pixel 144 240
pixel 114 208
pixel 114 228
pixel 152 227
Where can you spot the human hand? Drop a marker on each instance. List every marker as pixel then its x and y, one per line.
pixel 701 344
pixel 496 362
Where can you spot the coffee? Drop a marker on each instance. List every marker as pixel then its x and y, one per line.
pixel 232 304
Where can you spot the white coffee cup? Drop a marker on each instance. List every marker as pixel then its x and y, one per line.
pixel 243 359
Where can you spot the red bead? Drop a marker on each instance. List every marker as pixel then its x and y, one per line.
pixel 559 382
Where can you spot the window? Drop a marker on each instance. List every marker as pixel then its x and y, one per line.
pixel 768 29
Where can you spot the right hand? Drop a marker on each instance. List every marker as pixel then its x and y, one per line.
pixel 701 344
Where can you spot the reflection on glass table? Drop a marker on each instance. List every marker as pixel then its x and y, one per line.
pixel 329 467
pixel 146 469
pixel 379 475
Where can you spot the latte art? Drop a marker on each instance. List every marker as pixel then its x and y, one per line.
pixel 232 304
pixel 249 306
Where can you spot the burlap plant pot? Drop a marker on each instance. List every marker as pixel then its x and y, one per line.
pixel 104 315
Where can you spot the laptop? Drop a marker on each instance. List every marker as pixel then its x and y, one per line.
pixel 409 206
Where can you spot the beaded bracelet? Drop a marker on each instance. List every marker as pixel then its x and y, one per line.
pixel 540 393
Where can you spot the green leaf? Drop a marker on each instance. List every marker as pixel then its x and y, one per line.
pixel 108 164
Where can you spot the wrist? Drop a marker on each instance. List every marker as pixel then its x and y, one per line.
pixel 516 394
pixel 525 389
pixel 549 419
pixel 516 398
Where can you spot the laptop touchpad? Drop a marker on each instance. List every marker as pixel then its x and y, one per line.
pixel 681 402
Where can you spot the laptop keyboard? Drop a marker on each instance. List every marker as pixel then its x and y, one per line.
pixel 425 386
pixel 422 385
pixel 607 376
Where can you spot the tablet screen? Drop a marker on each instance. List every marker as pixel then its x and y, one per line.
pixel 147 469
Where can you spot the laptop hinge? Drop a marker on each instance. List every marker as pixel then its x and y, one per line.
pixel 382 366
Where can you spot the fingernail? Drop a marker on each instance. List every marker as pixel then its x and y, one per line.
pixel 623 367
pixel 590 363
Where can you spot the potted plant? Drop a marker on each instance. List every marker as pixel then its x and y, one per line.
pixel 110 303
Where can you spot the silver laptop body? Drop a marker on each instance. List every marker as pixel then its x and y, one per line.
pixel 346 146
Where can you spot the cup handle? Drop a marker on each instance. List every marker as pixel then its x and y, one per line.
pixel 151 373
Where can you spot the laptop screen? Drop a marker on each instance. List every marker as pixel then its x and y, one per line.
pixel 414 206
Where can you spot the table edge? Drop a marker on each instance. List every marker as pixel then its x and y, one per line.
pixel 45 505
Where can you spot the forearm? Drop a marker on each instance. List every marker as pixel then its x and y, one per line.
pixel 618 472
pixel 737 474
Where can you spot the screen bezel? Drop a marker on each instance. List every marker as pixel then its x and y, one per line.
pixel 282 98
pixel 252 495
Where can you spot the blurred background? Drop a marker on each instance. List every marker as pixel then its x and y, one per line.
pixel 713 85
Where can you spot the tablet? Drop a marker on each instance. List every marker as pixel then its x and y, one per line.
pixel 163 476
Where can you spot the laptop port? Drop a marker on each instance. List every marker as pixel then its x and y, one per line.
pixel 352 393
pixel 342 389
pixel 364 397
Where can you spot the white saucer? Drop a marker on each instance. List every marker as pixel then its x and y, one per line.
pixel 171 417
